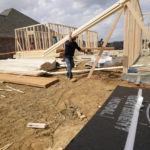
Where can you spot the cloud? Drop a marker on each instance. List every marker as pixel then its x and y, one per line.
pixel 69 12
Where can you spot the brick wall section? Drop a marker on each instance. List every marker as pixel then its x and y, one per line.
pixel 7 45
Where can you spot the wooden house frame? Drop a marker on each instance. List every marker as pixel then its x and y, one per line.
pixel 45 35
pixel 133 31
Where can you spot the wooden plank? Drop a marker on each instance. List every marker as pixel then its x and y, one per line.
pixel 22 39
pixel 129 38
pixel 19 45
pixel 133 52
pixel 24 73
pixel 105 43
pixel 28 41
pixel 139 33
pixel 19 41
pixel 8 53
pixel 88 48
pixel 49 35
pixel 46 35
pixel 125 51
pixel 38 38
pixel 27 80
pixel 135 37
pixel 6 146
pixel 36 125
pixel 30 32
pixel 42 34
pixel 35 40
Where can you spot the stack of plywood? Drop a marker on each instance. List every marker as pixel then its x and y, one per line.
pixel 27 66
pixel 36 54
pixel 42 82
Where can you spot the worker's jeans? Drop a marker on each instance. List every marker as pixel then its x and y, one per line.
pixel 70 64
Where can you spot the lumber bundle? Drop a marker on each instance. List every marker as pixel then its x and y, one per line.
pixel 26 66
pixel 42 82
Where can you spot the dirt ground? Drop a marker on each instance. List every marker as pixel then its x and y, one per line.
pixel 60 106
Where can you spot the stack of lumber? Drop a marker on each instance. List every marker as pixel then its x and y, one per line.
pixel 26 66
pixel 36 54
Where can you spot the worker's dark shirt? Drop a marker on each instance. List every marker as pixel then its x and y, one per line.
pixel 70 48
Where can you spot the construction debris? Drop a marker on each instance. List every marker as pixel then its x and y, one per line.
pixel 80 115
pixel 6 146
pixel 103 61
pixel 13 89
pixel 36 125
pixel 3 96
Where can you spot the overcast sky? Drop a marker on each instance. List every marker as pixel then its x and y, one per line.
pixel 70 12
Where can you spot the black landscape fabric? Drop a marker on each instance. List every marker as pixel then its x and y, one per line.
pixel 108 129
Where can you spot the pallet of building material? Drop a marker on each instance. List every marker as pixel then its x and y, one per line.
pixel 42 82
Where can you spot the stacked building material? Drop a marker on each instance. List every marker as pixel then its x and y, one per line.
pixel 27 66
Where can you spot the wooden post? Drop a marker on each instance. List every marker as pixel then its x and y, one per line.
pixel 28 41
pixel 35 40
pixel 16 48
pixel 49 35
pixel 36 36
pixel 105 43
pixel 39 37
pixel 42 34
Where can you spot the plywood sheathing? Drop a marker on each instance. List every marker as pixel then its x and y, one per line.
pixel 42 82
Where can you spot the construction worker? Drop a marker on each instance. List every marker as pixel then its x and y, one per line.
pixel 70 46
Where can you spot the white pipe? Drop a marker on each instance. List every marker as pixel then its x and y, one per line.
pixel 132 130
pixel 85 70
